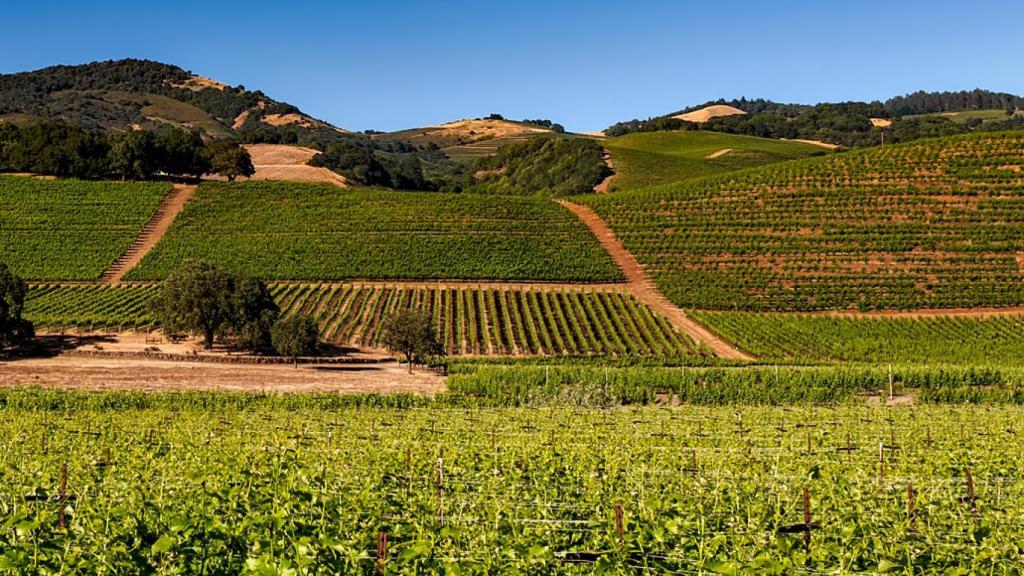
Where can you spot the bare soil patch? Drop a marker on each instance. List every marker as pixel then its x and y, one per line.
pixel 290 163
pixel 707 113
pixel 718 154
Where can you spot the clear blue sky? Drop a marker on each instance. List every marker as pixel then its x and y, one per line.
pixel 388 65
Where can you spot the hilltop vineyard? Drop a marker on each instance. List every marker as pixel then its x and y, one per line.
pixel 71 229
pixel 935 223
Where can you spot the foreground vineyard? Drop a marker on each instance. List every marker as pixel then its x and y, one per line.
pixel 945 340
pixel 303 485
pixel 934 223
pixel 289 231
pixel 71 229
pixel 469 320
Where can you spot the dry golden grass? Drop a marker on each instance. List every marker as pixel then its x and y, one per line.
pixel 707 113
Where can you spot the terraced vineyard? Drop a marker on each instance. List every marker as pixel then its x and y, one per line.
pixel 286 231
pixel 470 320
pixel 245 484
pixel 71 229
pixel 930 340
pixel 934 223
pixel 650 158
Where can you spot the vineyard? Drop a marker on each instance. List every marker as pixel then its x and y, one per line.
pixel 934 223
pixel 650 158
pixel 929 340
pixel 236 484
pixel 287 231
pixel 469 320
pixel 71 229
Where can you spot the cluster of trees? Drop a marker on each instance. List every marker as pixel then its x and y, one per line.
pixel 14 330
pixel 411 333
pixel 60 149
pixel 848 123
pixel 550 166
pixel 201 299
pixel 362 162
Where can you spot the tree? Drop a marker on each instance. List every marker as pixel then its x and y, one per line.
pixel 133 155
pixel 253 314
pixel 195 299
pixel 14 330
pixel 182 152
pixel 229 159
pixel 295 336
pixel 200 299
pixel 411 333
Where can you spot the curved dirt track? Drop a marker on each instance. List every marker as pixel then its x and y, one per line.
pixel 643 288
pixel 169 208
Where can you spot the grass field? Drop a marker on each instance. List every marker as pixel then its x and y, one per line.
pixel 937 340
pixel 651 158
pixel 71 229
pixel 934 223
pixel 962 117
pixel 250 484
pixel 294 231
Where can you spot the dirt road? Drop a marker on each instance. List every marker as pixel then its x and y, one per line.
pixel 168 210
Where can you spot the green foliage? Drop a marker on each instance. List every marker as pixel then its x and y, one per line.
pixel 543 166
pixel 295 231
pixel 647 159
pixel 248 483
pixel 69 229
pixel 119 306
pixel 931 224
pixel 295 336
pixel 199 298
pixel 229 159
pixel 927 340
pixel 14 329
pixel 411 333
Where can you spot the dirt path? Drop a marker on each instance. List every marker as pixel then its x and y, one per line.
pixel 718 154
pixel 155 229
pixel 602 188
pixel 88 373
pixel 643 288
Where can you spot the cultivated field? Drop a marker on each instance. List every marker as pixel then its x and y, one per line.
pixel 194 481
pixel 307 232
pixel 469 320
pixel 934 223
pixel 70 229
pixel 966 340
pixel 651 158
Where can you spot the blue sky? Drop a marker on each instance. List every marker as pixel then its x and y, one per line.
pixel 388 65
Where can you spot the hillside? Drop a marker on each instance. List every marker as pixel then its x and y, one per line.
pixel 706 113
pixel 120 95
pixel 936 223
pixel 650 158
pixel 467 139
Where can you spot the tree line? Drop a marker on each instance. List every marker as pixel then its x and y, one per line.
pixel 65 150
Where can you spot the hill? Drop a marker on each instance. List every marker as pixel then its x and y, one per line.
pixel 708 112
pixel 650 158
pixel 937 223
pixel 120 95
pixel 848 124
pixel 469 139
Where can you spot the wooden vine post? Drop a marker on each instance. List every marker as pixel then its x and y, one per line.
pixel 910 504
pixel 440 491
pixel 63 495
pixel 382 552
pixel 618 521
pixel 807 520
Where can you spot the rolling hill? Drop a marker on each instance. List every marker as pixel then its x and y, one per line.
pixel 936 223
pixel 120 95
pixel 651 158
